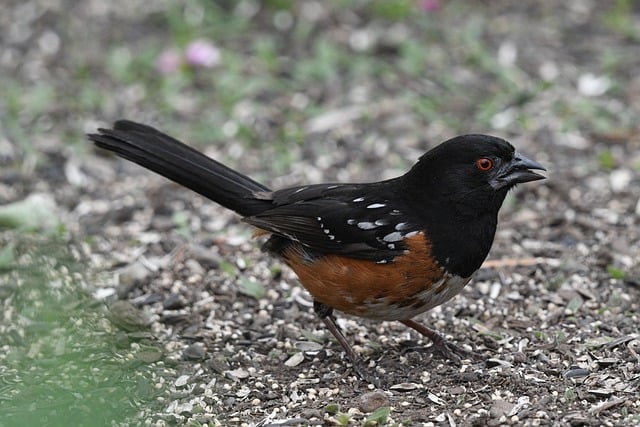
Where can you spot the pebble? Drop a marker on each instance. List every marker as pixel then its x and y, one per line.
pixel 182 380
pixel 602 393
pixel 150 356
pixel 607 361
pixel 576 373
pixel 457 390
pixel 311 413
pixel 295 360
pixel 371 401
pixel 128 317
pixel 306 346
pixel 174 302
pixel 130 277
pixel 195 351
pixel 194 267
pixel 619 180
pixel 592 85
pixel 500 408
pixel 237 374
pixel 519 357
pixel 404 387
pixel 205 256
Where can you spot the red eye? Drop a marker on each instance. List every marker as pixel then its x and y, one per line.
pixel 484 164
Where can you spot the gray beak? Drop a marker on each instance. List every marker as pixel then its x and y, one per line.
pixel 517 171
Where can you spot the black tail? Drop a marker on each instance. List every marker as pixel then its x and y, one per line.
pixel 171 158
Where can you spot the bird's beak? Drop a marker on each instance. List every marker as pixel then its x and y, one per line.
pixel 517 171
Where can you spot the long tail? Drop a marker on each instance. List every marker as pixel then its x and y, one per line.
pixel 171 158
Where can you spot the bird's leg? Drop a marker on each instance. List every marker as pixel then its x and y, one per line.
pixel 326 314
pixel 440 343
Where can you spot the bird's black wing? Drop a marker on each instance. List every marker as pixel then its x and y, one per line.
pixel 363 221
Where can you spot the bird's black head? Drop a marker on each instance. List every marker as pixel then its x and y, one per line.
pixel 457 189
pixel 473 172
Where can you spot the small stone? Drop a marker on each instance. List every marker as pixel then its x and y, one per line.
pixel 308 346
pixel 404 387
pixel 371 401
pixel 311 413
pixel 457 390
pixel 194 267
pixel 469 376
pixel 205 256
pixel 602 392
pixel 519 357
pixel 619 180
pixel 184 408
pixel 237 374
pixel 500 408
pixel 607 361
pixel 128 317
pixel 295 360
pixel 591 85
pixel 150 356
pixel 576 373
pixel 218 364
pixel 174 302
pixel 195 351
pixel 130 277
pixel 182 381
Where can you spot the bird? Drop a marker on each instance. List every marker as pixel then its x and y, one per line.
pixel 387 250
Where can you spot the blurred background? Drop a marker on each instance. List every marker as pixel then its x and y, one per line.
pixel 290 92
pixel 300 78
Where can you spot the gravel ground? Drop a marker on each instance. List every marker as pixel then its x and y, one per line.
pixel 555 310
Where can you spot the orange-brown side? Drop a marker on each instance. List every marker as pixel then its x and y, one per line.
pixel 356 286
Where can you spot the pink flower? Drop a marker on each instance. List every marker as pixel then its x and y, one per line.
pixel 169 61
pixel 429 5
pixel 202 53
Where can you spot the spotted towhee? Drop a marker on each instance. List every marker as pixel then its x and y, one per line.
pixel 386 250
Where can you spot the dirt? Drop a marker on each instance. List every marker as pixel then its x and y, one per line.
pixel 554 312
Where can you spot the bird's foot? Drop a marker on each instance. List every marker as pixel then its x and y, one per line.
pixel 446 348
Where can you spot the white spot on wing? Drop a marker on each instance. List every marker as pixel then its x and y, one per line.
pixel 381 222
pixel 352 221
pixel 402 226
pixel 396 236
pixel 376 205
pixel 359 199
pixel 365 225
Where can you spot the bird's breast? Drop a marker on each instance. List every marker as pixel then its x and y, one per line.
pixel 399 289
